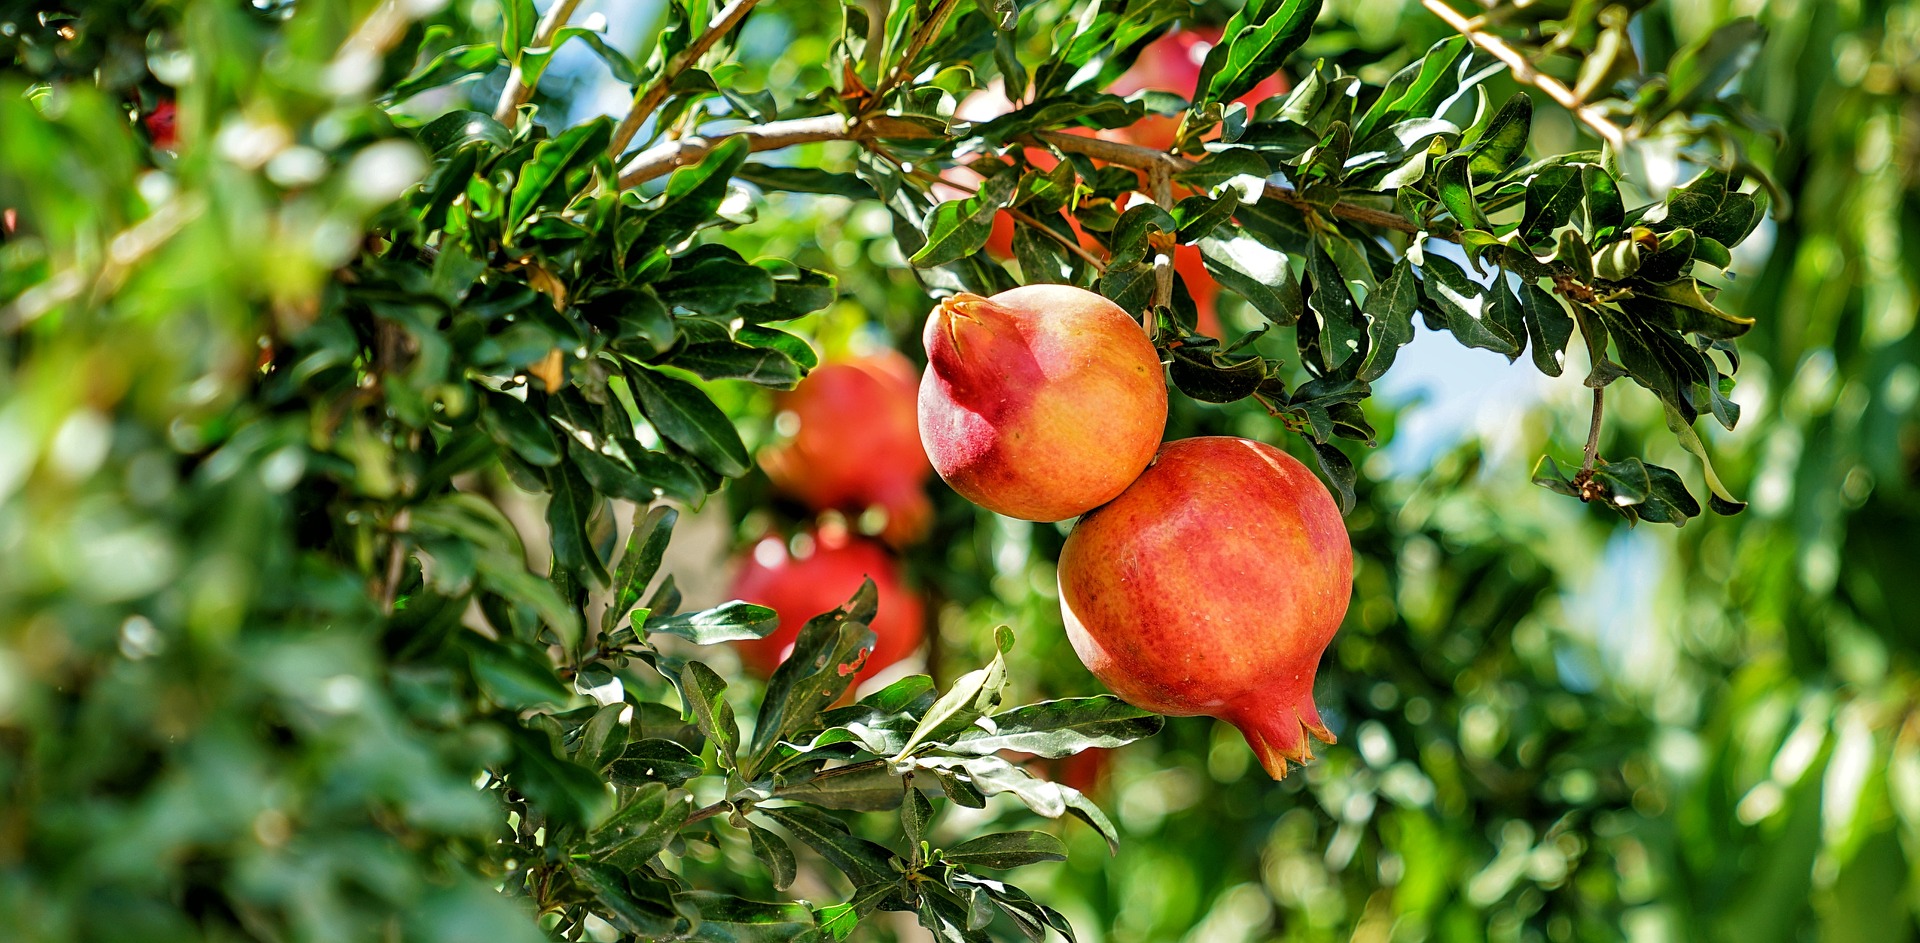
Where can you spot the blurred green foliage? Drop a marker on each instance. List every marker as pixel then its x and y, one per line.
pixel 226 712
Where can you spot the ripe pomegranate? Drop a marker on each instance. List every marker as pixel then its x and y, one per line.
pixel 1042 402
pixel 821 580
pixel 856 444
pixel 1211 587
pixel 1172 64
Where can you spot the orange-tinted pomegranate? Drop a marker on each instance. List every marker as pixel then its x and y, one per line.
pixel 1040 403
pixel 1211 587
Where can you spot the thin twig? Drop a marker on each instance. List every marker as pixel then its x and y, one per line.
pixel 519 91
pixel 1073 245
pixel 1593 429
pixel 1160 180
pixel 663 159
pixel 1524 73
pixel 396 559
pixel 651 95
pixel 936 21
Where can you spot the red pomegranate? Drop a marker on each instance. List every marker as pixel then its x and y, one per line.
pixel 1040 403
pixel 160 125
pixel 1211 587
pixel 821 580
pixel 855 444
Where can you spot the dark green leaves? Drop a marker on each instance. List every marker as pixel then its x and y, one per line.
pixel 685 416
pixel 960 228
pixel 727 622
pixel 1257 40
pixel 1007 850
pixel 1060 728
pixel 555 173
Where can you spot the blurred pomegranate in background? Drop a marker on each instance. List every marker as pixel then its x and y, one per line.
pixel 852 441
pixel 160 125
pixel 821 579
pixel 1172 64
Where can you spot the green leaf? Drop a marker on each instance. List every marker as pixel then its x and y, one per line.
pixel 1257 41
pixel 568 793
pixel 1719 498
pixel 643 827
pixel 973 696
pixel 826 655
pixel 683 415
pixel 1456 194
pixel 646 547
pixel 603 738
pixel 1504 141
pixel 558 170
pixel 916 813
pixel 619 904
pixel 1465 304
pixel 1697 73
pixel 1007 850
pixel 960 228
pixel 1059 728
pixel 655 760
pixel 802 292
pixel 1549 327
pixel 1343 329
pixel 1390 310
pixel 1219 167
pixel 713 280
pixel 571 505
pixel 515 425
pixel 865 789
pixel 1256 272
pixel 992 776
pixel 694 194
pixel 720 918
pixel 806 180
pixel 773 852
pixel 1337 469
pixel 729 361
pixel 706 693
pixel 1553 195
pixel 860 860
pixel 460 62
pixel 728 622
pixel 514 675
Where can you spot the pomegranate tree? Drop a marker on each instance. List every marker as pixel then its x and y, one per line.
pixel 1040 403
pixel 1211 586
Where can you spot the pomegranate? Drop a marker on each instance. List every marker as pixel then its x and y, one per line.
pixel 160 125
pixel 1211 587
pixel 821 580
pixel 855 444
pixel 1042 402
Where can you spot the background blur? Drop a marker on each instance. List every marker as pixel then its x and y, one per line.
pixel 1552 726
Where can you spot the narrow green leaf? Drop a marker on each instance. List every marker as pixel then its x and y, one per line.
pixel 1007 850
pixel 683 415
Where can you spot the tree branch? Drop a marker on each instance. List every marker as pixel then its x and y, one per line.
pixel 936 21
pixel 1071 244
pixel 519 90
pixel 665 158
pixel 1524 73
pixel 651 95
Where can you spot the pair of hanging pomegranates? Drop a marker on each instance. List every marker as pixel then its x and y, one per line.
pixel 1205 575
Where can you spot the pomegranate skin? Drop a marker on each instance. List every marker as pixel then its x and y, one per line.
pixel 1211 587
pixel 801 588
pixel 1039 403
pixel 857 444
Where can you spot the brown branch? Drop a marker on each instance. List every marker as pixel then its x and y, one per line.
pixel 1146 158
pixel 1072 244
pixel 1160 179
pixel 651 95
pixel 665 158
pixel 921 37
pixel 519 91
pixel 1524 73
